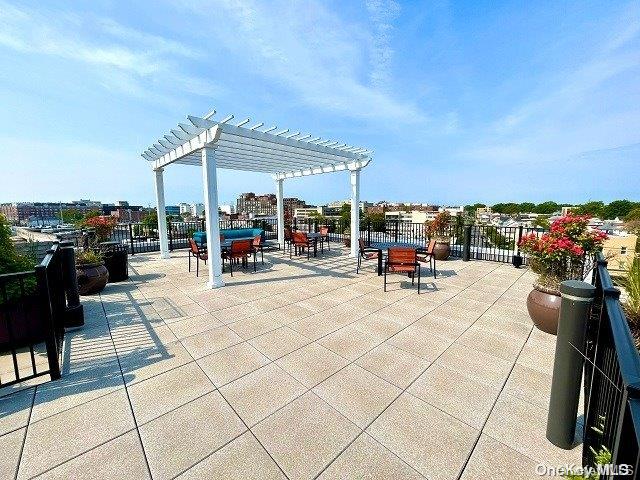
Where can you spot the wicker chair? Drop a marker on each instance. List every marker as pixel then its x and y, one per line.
pixel 200 253
pixel 402 260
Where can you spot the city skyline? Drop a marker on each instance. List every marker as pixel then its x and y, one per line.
pixel 457 102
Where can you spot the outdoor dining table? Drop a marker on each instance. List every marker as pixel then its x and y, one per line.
pixel 383 247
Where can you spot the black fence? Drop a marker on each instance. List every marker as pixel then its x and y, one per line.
pixel 486 242
pixel 32 309
pixel 612 380
pixel 141 238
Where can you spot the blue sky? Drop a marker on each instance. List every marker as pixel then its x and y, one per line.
pixel 461 101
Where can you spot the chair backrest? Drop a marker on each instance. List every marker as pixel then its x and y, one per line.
pixel 300 237
pixel 257 241
pixel 402 255
pixel 221 238
pixel 324 230
pixel 193 246
pixel 287 234
pixel 361 245
pixel 432 246
pixel 240 247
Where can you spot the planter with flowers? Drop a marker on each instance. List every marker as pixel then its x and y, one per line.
pixel 438 229
pixel 557 256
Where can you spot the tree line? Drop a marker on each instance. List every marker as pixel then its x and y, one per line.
pixel 616 209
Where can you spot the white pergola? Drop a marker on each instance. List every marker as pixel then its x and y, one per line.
pixel 215 144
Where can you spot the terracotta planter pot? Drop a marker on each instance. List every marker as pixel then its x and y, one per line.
pixel 544 310
pixel 442 250
pixel 92 278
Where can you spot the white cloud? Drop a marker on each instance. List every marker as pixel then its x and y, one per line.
pixel 383 13
pixel 129 60
pixel 319 57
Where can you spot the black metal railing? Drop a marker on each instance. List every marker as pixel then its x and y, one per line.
pixel 486 242
pixel 612 379
pixel 32 309
pixel 141 238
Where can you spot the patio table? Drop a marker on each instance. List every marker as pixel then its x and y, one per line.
pixel 383 247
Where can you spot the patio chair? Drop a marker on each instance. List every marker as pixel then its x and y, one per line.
pixel 427 256
pixel 200 253
pixel 366 253
pixel 240 250
pixel 324 237
pixel 258 245
pixel 287 238
pixel 402 260
pixel 301 241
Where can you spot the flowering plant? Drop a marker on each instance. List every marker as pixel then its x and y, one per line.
pixel 438 226
pixel 102 225
pixel 559 254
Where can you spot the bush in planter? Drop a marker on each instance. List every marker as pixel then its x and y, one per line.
pixel 18 304
pixel 439 229
pixel 102 226
pixel 91 273
pixel 630 281
pixel 557 256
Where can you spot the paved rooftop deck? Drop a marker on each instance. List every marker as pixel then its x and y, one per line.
pixel 302 369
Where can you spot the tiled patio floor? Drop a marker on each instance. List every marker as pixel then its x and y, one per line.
pixel 300 370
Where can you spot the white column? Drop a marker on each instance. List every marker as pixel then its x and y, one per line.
pixel 162 214
pixel 280 204
pixel 210 180
pixel 355 211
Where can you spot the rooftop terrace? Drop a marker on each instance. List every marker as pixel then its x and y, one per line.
pixel 302 369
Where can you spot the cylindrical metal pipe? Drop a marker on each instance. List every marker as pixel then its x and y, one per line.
pixel 74 312
pixel 466 246
pixel 567 368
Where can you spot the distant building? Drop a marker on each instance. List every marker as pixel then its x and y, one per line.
pixel 123 212
pixel 227 209
pixel 412 216
pixel 306 212
pixel 193 209
pixel 619 250
pixel 39 213
pixel 291 204
pixel 172 209
pixel 256 205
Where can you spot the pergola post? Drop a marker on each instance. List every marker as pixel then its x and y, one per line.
pixel 210 180
pixel 280 206
pixel 355 211
pixel 162 214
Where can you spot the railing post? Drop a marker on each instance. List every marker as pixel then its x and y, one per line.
pixel 74 312
pixel 517 259
pixel 131 239
pixel 51 341
pixel 169 230
pixel 395 237
pixel 567 367
pixel 369 231
pixel 466 246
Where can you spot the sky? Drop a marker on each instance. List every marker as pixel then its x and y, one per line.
pixel 462 102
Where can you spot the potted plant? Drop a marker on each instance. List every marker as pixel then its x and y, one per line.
pixel 20 318
pixel 557 256
pixel 114 254
pixel 346 236
pixel 438 229
pixel 91 273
